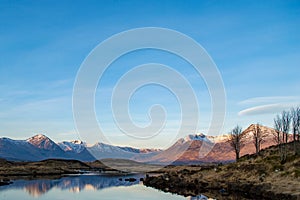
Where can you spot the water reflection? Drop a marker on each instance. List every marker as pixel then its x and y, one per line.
pixel 74 184
pixel 90 186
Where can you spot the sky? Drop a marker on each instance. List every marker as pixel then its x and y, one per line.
pixel 254 44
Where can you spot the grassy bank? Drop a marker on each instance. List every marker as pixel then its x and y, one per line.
pixel 255 176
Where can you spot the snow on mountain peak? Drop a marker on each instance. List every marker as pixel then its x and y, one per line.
pixel 196 137
pixel 38 137
pixel 218 138
pixel 77 142
pixel 75 145
pixel 43 142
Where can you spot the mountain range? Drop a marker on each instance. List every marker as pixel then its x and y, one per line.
pixel 193 149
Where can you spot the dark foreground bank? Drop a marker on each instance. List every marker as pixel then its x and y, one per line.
pixel 254 177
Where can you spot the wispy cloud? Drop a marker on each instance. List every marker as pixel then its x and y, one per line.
pixel 268 105
pixel 265 109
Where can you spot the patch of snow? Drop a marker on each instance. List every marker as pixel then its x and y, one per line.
pixel 76 146
pixel 218 139
pixel 197 137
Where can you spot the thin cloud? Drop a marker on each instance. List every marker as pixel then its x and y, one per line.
pixel 266 109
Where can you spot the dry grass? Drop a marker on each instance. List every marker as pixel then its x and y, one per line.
pixel 258 174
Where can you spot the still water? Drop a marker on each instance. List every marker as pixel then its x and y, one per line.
pixel 88 186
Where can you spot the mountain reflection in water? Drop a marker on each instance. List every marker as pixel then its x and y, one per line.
pixel 74 184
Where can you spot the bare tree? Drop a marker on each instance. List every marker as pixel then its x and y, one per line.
pixel 286 121
pixel 282 127
pixel 258 137
pixel 295 115
pixel 236 140
pixel 278 138
pixel 278 129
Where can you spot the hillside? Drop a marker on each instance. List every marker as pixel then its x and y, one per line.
pixel 259 176
pixel 199 149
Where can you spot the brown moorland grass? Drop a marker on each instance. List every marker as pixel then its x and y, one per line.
pixel 257 176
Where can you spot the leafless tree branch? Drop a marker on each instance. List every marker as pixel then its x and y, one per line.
pixel 236 140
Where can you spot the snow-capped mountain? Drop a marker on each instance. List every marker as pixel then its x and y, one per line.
pixel 222 151
pixel 102 151
pixel 76 149
pixel 184 150
pixel 199 148
pixel 195 148
pixel 43 142
pixel 38 147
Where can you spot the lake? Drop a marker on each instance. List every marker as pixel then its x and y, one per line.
pixel 85 186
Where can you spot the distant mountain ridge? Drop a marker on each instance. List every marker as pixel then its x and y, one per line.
pixel 192 149
pixel 40 147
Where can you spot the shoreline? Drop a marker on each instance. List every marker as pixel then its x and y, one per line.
pixel 253 176
pixel 215 189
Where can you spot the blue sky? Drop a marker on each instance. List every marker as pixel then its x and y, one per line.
pixel 255 45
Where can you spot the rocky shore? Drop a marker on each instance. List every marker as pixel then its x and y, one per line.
pixel 253 177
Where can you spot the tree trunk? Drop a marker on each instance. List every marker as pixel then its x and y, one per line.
pixel 237 156
pixel 257 147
